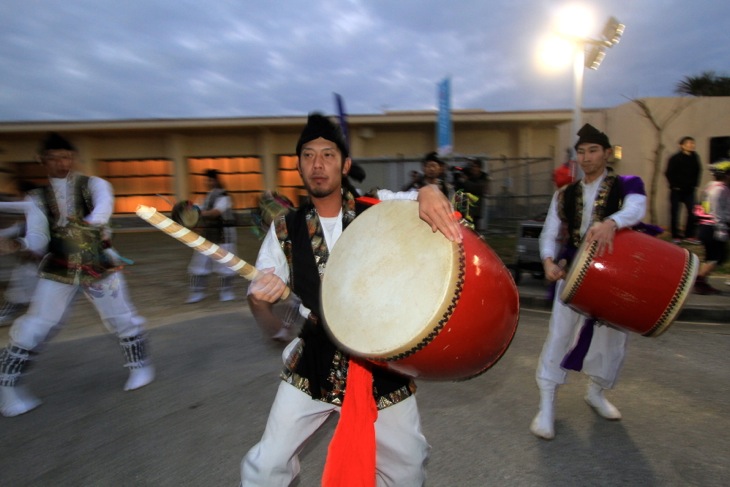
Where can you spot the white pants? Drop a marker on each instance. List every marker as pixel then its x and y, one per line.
pixel 22 282
pixel 604 358
pixel 401 455
pixel 202 265
pixel 52 299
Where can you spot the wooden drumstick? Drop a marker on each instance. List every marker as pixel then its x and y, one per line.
pixel 199 243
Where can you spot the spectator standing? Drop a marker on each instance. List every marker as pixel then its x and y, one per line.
pixel 683 175
pixel 433 173
pixel 473 180
pixel 713 228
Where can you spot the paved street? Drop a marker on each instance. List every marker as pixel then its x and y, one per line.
pixel 217 376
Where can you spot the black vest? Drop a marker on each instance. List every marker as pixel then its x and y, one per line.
pixel 573 214
pixel 319 351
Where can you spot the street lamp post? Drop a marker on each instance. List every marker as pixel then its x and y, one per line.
pixel 579 58
pixel 589 53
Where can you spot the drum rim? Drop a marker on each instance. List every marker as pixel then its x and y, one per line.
pixel 578 270
pixel 446 315
pixel 689 274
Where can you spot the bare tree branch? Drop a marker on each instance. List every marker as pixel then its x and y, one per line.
pixel 658 153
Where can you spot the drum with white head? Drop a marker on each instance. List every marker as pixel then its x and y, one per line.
pixel 407 298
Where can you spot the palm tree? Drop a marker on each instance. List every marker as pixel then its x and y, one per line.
pixel 706 84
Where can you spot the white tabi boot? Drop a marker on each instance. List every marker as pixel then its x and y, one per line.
pixel 543 426
pixel 141 370
pixel 226 289
pixel 139 377
pixel 599 403
pixel 197 289
pixel 16 400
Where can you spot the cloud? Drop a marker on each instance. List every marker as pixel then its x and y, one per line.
pixel 108 60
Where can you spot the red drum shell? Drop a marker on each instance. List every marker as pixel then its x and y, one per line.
pixel 475 312
pixel 640 287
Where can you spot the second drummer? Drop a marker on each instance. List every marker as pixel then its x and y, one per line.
pixel 591 209
pixel 315 375
pixel 218 226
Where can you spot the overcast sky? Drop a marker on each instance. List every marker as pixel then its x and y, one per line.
pixel 141 59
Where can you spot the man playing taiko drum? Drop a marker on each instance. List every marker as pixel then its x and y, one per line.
pixel 592 208
pixel 317 376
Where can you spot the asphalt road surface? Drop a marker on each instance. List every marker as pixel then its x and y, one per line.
pixel 217 376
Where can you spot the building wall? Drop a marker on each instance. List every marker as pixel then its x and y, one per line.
pixel 392 144
pixel 702 118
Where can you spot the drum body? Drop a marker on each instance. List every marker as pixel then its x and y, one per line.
pixel 407 298
pixel 640 287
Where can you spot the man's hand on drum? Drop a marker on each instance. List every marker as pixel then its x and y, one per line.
pixel 602 233
pixel 267 286
pixel 435 209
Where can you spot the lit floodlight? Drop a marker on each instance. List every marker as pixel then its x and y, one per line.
pixel 613 31
pixel 574 21
pixel 555 53
pixel 594 56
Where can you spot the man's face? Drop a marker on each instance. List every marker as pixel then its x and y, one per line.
pixel 321 167
pixel 58 163
pixel 688 145
pixel 593 159
pixel 431 169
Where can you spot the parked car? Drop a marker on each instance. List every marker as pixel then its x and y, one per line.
pixel 528 251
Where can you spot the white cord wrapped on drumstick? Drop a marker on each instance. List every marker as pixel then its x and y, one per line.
pixel 199 243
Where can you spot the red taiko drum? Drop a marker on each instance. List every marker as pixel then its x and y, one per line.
pixel 640 287
pixel 407 298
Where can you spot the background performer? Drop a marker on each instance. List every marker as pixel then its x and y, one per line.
pixel 592 208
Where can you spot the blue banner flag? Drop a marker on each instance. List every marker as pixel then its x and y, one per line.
pixel 342 116
pixel 443 126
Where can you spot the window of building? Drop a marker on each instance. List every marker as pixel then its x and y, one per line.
pixel 139 182
pixel 288 182
pixel 719 149
pixel 241 176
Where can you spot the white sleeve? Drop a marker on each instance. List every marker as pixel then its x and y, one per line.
pixel 631 212
pixel 271 255
pixel 37 234
pixel 550 231
pixel 102 194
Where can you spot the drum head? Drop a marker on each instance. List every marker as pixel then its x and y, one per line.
pixel 389 282
pixel 186 214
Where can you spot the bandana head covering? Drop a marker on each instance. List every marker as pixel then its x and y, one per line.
pixel 55 141
pixel 320 126
pixel 588 134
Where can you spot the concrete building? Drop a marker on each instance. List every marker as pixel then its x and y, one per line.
pixel 158 162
